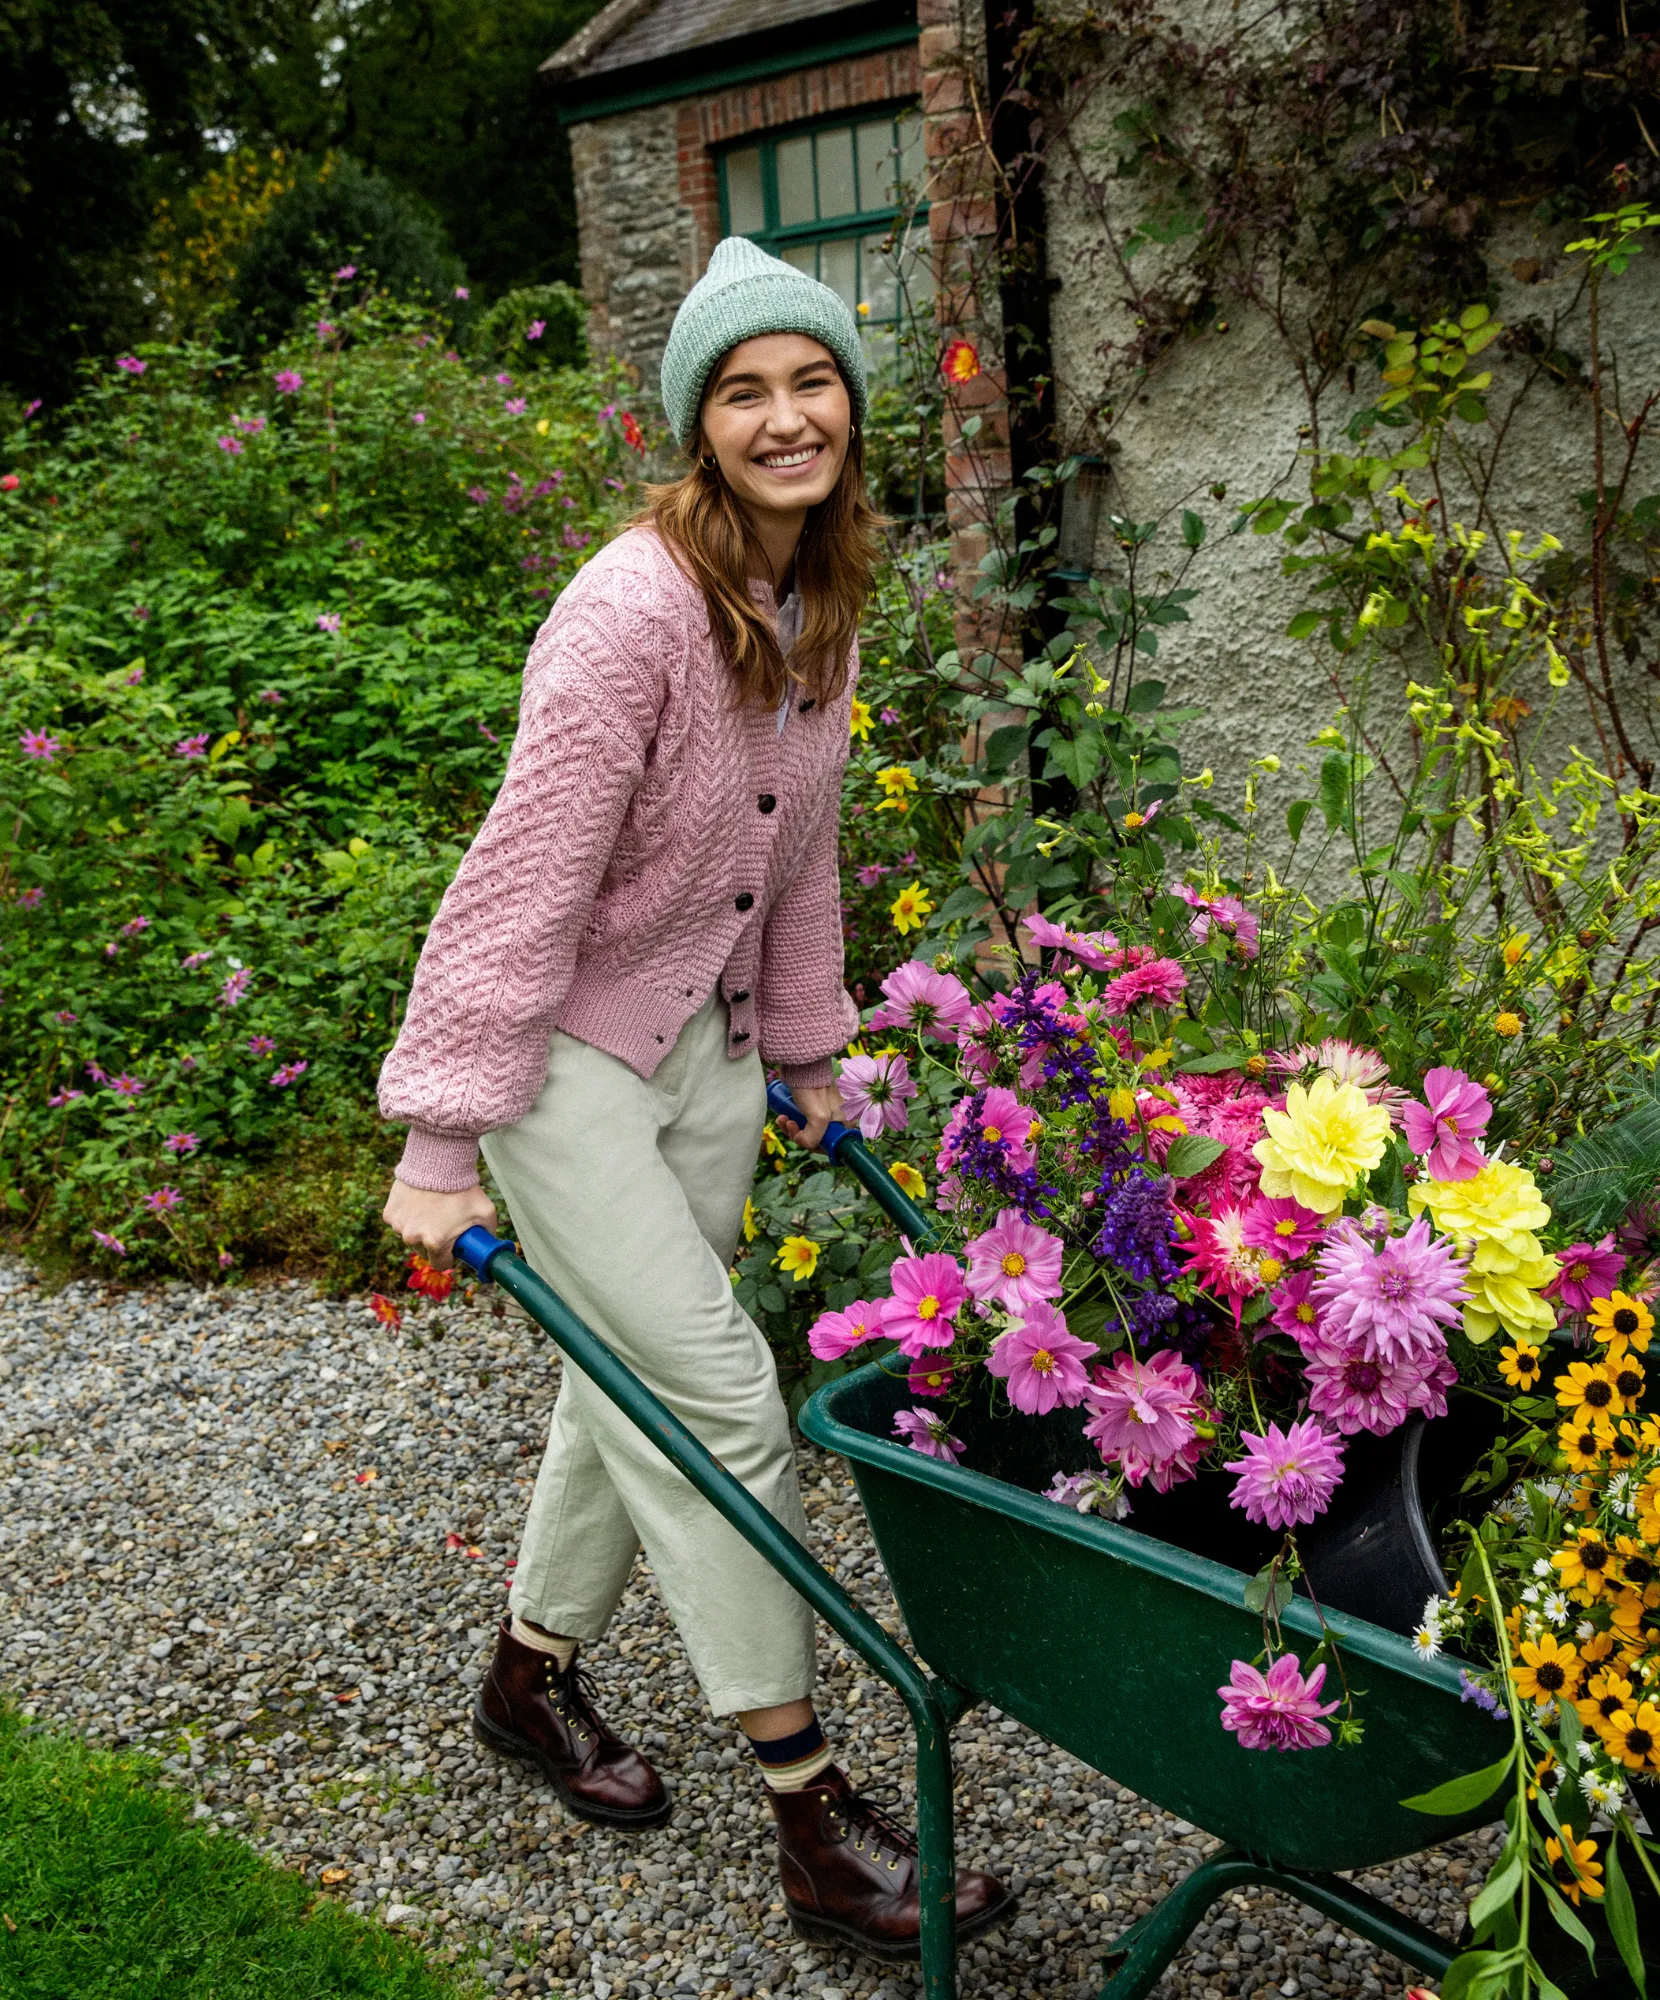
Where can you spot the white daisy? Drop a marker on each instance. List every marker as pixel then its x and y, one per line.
pixel 1555 1608
pixel 1426 1641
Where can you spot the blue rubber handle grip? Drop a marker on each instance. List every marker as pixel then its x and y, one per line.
pixel 476 1246
pixel 782 1104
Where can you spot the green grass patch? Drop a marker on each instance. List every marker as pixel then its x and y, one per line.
pixel 110 1891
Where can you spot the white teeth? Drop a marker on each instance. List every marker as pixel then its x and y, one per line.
pixel 791 457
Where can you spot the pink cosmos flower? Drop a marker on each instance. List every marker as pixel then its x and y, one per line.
pixel 192 748
pixel 1282 1227
pixel 134 676
pixel 1588 1271
pixel 1225 1263
pixel 1392 1301
pixel 1042 1364
pixel 1356 1392
pixel 182 1143
pixel 111 950
pixel 260 1045
pixel 31 899
pixel 923 1001
pixel 1004 1121
pixel 124 1085
pixel 159 1200
pixel 514 406
pixel 834 1334
pixel 98 1074
pixel 1296 1310
pixel 325 327
pixel 928 1293
pixel 873 1092
pixel 229 445
pixel 1158 984
pixel 1442 1130
pixel 60 1098
pixel 1091 948
pixel 930 1435
pixel 931 1376
pixel 226 1260
pixel 328 621
pixel 1278 1710
pixel 130 364
pixel 110 1243
pixel 1227 913
pixel 230 994
pixel 289 1073
pixel 37 743
pixel 271 696
pixel 1286 1478
pixel 419 417
pixel 64 1018
pixel 194 961
pixel 461 292
pixel 288 382
pixel 250 426
pixel 536 329
pixel 889 716
pixel 869 873
pixel 504 381
pixel 1014 1263
pixel 346 271
pixel 135 926
pixel 1145 1412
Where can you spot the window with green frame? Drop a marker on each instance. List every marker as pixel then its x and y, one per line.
pixel 835 201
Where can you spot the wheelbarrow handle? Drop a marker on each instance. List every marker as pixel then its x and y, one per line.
pixel 846 1148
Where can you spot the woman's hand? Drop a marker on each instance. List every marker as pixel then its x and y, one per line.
pixel 821 1102
pixel 430 1222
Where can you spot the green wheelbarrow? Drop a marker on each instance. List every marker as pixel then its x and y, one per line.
pixel 1106 1642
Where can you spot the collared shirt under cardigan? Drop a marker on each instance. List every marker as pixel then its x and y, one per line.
pixel 651 842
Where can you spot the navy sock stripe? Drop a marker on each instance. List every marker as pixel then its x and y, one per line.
pixel 789 1749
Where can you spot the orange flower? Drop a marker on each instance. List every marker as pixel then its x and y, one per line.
pixel 1576 1871
pixel 429 1283
pixel 960 361
pixel 384 1310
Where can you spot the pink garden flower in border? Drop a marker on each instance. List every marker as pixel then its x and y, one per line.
pixel 1091 948
pixel 1145 1411
pixel 346 271
pixel 64 1018
pixel 1158 984
pixel 922 1001
pixel 194 961
pixel 135 926
pixel 230 445
pixel 290 1072
pixel 419 417
pixel 123 1085
pixel 328 621
pixel 192 749
pixel 40 745
pixel 182 1143
pixel 461 292
pixel 928 1293
pixel 1282 1227
pixel 1014 1263
pixel 31 899
pixel 1041 1363
pixel 230 994
pixel 261 1045
pixel 1354 1391
pixel 1278 1710
pixel 1588 1271
pixel 1394 1300
pixel 1296 1310
pixel 129 364
pixel 514 406
pixel 60 1098
pixel 834 1334
pixel 1442 1130
pixel 113 1244
pixel 873 1092
pixel 161 1199
pixel 288 381
pixel 931 1375
pixel 1286 1479
pixel 536 329
pixel 1227 913
pixel 1003 1121
pixel 929 1434
pixel 97 1073
pixel 1225 1262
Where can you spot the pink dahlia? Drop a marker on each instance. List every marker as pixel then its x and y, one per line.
pixel 1222 1259
pixel 1089 948
pixel 1278 1710
pixel 833 1334
pixel 1588 1271
pixel 1354 1391
pixel 1145 1411
pixel 1443 1129
pixel 1229 1108
pixel 1014 1263
pixel 1282 1227
pixel 1343 1062
pixel 928 1293
pixel 873 1092
pixel 1286 1478
pixel 1393 1300
pixel 1041 1362
pixel 1157 984
pixel 923 1001
pixel 929 1434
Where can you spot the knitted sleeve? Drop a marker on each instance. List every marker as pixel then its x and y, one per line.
pixel 472 1053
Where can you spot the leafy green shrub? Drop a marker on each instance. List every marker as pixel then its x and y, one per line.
pixel 263 640
pixel 537 326
pixel 346 216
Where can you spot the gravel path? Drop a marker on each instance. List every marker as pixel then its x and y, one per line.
pixel 259 1535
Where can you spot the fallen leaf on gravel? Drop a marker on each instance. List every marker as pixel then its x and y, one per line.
pixel 333 1875
pixel 363 1478
pixel 452 1542
pixel 349 1695
pixel 336 1444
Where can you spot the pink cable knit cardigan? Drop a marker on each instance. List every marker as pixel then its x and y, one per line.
pixel 649 842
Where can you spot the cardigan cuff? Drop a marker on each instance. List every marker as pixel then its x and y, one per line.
pixel 439 1162
pixel 809 1076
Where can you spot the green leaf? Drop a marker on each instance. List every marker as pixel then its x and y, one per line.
pixel 1191 1152
pixel 1193 529
pixel 1462 1795
pixel 963 902
pixel 1557 1904
pixel 1144 697
pixel 1296 817
pixel 1336 779
pixel 1213 1065
pixel 1256 1591
pixel 1622 1916
pixel 1474 1975
pixel 1076 760
pixel 1304 625
pixel 1003 747
pixel 1498 1891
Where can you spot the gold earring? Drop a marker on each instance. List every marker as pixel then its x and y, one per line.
pixel 707 461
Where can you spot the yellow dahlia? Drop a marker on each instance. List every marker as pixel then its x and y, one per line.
pixel 1327 1136
pixel 1492 1218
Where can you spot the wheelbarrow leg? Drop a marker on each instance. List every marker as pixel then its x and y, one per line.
pixel 936 1835
pixel 1147 1947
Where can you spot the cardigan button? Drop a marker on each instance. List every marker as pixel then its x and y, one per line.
pixel 741 1036
pixel 746 901
pixel 767 802
pixel 807 704
pixel 737 999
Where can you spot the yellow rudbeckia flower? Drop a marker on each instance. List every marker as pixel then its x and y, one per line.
pixel 799 1256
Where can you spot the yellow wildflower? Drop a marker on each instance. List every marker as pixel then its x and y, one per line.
pixel 751 1220
pixel 1584 1564
pixel 799 1256
pixel 859 718
pixel 1328 1135
pixel 1515 949
pixel 1507 1024
pixel 1519 1365
pixel 910 908
pixel 909 1179
pixel 1545 1670
pixel 1576 1871
pixel 1492 1218
pixel 1121 1103
pixel 896 782
pixel 1622 1321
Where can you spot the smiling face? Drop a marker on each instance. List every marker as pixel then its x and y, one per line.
pixel 778 420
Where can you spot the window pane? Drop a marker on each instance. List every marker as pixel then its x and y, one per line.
pixel 804 256
pixel 795 180
pixel 881 292
pixel 916 269
pixel 745 211
pixel 838 267
pixel 913 168
pixel 875 143
pixel 835 173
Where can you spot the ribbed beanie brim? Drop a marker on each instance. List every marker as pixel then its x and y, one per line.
pixel 746 292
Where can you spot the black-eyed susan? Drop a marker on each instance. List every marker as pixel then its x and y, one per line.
pixel 1621 1317
pixel 1545 1669
pixel 1606 1693
pixel 1633 1736
pixel 1625 1372
pixel 1542 1769
pixel 1575 1872
pixel 1583 1445
pixel 1584 1564
pixel 1585 1390
pixel 1519 1365
pixel 1625 1608
pixel 1624 1446
pixel 1636 1569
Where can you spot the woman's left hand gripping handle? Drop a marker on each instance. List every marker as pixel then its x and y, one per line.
pixel 430 1222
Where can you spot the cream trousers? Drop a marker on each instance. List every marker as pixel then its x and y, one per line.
pixel 627 1197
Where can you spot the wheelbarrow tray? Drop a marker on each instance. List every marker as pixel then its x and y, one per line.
pixel 1113 1646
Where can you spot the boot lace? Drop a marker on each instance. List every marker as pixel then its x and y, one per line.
pixel 874 1830
pixel 573 1694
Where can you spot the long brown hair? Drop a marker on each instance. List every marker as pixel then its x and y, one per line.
pixel 701 520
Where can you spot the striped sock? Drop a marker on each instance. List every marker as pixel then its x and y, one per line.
pixel 790 1762
pixel 563 1650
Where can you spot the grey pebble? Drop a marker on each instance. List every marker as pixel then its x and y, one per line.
pixel 267 1539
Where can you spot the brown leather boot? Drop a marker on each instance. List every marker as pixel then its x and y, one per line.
pixel 530 1710
pixel 851 1874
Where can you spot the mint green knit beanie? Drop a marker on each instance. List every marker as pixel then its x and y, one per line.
pixel 743 293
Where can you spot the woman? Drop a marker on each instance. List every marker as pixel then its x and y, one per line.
pixel 649 912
